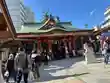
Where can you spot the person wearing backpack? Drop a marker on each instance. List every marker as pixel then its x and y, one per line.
pixel 22 65
pixel 107 50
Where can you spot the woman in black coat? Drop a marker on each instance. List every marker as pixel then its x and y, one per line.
pixel 10 67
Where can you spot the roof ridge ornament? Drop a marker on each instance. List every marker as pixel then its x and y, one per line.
pixel 45 17
pixel 57 19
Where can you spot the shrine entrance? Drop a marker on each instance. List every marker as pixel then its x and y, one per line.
pixel 58 49
pixel 55 49
pixel 28 47
pixel 56 46
pixel 44 46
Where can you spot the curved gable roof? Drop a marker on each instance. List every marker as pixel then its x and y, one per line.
pixel 36 27
pixel 27 29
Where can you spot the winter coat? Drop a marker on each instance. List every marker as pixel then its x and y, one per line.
pixel 22 61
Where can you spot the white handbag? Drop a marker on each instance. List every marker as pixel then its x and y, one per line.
pixel 6 74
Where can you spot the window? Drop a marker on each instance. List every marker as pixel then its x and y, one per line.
pixel 15 18
pixel 22 20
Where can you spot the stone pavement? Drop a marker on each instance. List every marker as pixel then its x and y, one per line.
pixel 62 71
pixel 66 80
pixel 68 68
pixel 98 73
pixel 74 71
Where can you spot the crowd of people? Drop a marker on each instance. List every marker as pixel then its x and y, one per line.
pixel 22 63
pixel 102 46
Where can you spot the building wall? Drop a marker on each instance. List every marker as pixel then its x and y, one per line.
pixel 107 18
pixel 30 15
pixel 18 13
pixel 107 11
pixel 14 10
pixel 23 14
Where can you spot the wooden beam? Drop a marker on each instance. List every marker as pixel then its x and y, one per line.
pixel 21 39
pixel 52 35
pixel 5 35
pixel 2 19
pixel 81 33
pixel 7 17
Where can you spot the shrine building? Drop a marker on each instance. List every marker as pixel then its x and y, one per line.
pixel 47 34
pixel 50 32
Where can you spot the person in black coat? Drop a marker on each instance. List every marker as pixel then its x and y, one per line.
pixel 35 57
pixel 10 67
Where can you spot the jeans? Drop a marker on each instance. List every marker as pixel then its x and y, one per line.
pixel 106 58
pixel 19 76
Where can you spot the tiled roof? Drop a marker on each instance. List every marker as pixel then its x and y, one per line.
pixel 34 27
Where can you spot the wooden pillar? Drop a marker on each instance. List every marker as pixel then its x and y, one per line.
pixel 34 45
pixel 39 46
pixel 46 42
pixel 73 45
pixel 75 38
pixel 66 47
pixel 70 44
pixel 50 45
pixel 74 42
pixel 82 41
pixel 50 50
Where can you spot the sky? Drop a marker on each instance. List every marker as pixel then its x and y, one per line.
pixel 79 12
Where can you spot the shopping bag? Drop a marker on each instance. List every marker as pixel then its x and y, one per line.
pixel 6 74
